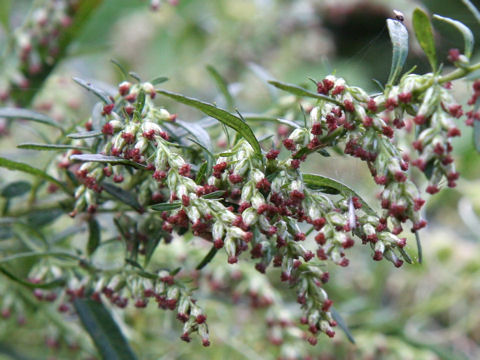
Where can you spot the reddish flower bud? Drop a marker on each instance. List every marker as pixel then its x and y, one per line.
pixel 453 55
pixel 272 154
pixel 107 109
pixel 289 144
pixel 405 97
pixel 349 106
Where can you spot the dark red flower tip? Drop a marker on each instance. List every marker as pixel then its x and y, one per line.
pixel 107 109
pixel 453 55
pixel 405 97
pixel 272 154
pixel 107 129
pixel 316 129
pixel 419 119
pixel 289 144
pixel 232 259
pixel 349 107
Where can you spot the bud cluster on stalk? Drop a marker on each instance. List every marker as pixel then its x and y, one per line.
pixel 120 288
pixel 367 125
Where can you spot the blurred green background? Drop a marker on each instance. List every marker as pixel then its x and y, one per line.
pixel 428 311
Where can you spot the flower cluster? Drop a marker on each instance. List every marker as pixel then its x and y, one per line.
pixel 120 287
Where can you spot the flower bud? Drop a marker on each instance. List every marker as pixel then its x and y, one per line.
pixel 218 230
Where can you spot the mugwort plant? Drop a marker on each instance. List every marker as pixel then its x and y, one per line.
pixel 134 173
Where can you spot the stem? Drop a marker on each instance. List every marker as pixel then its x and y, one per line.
pixel 459 73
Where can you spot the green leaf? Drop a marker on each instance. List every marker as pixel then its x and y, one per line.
pixel 16 188
pixel 260 118
pixel 150 246
pixel 399 38
pixel 222 86
pixel 101 94
pixel 476 135
pixel 405 255
pixel 167 206
pixel 301 92
pixel 85 134
pixel 476 127
pixel 464 30
pixel 135 76
pixel 48 285
pixel 419 247
pixel 201 172
pixel 123 195
pixel 317 181
pixel 159 80
pixel 41 218
pixel 14 113
pixel 5 6
pixel 114 160
pixel 210 255
pixel 140 105
pixel 214 195
pixel 342 324
pixel 13 165
pixel 50 147
pixel 103 330
pixel 222 115
pixel 93 236
pixel 423 31
pixel 198 132
pixel 120 67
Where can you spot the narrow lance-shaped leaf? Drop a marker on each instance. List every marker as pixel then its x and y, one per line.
pixel 16 188
pixel 93 236
pixel 419 247
pixel 209 257
pixel 399 38
pixel 14 165
pixel 14 113
pixel 159 80
pixel 464 30
pixel 317 181
pixel 48 285
pixel 222 115
pixel 103 330
pixel 123 195
pixel 299 91
pixel 120 67
pixel 342 324
pixel 261 118
pixel 84 134
pixel 476 128
pixel 198 132
pixel 102 95
pixel 50 147
pixel 167 206
pixel 222 86
pixel 423 31
pixel 114 160
pixel 214 195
